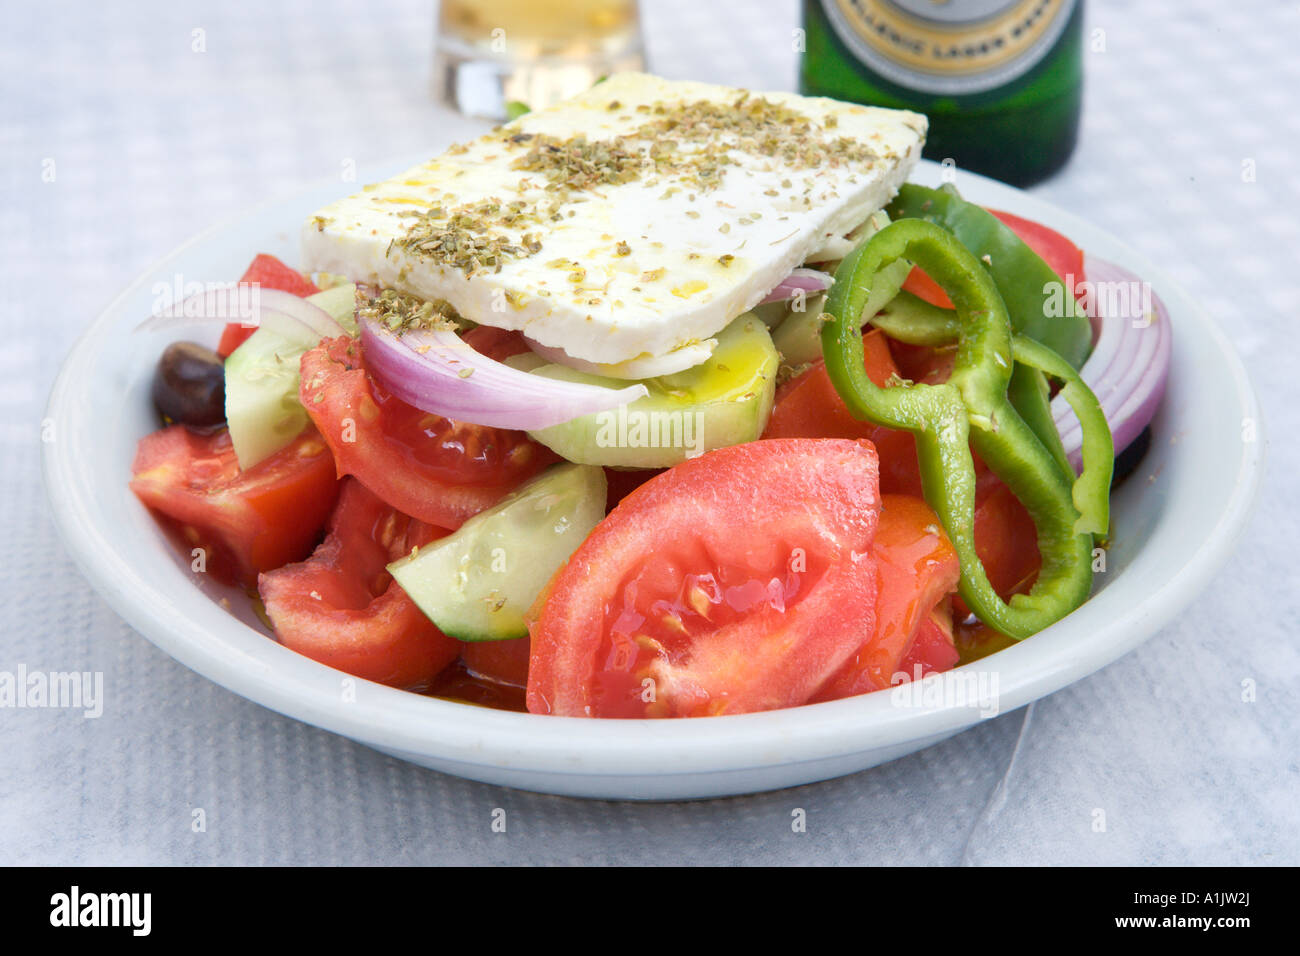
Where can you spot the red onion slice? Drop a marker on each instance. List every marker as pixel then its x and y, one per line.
pixel 800 280
pixel 1129 365
pixel 248 305
pixel 437 372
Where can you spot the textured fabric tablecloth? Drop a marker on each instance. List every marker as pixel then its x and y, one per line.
pixel 118 141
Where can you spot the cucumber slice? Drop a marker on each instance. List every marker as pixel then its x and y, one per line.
pixel 340 302
pixel 526 361
pixel 262 407
pixel 477 583
pixel 724 401
pixel 799 336
pixel 772 313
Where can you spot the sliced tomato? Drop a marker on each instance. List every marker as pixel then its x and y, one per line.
pixel 1065 258
pixel 341 606
pixel 920 363
pixel 268 272
pixel 1005 540
pixel 435 469
pixel 246 521
pixel 502 662
pixel 918 569
pixel 1059 252
pixel 934 649
pixel 734 582
pixel 809 407
pixel 1005 537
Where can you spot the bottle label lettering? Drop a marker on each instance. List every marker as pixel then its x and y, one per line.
pixel 949 46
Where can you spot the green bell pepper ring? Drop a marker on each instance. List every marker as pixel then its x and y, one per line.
pixel 970 410
pixel 911 319
pixel 1031 398
pixel 1091 491
pixel 1031 290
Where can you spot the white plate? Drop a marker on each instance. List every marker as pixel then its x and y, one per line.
pixel 1175 523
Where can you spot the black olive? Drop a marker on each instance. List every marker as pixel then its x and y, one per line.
pixel 189 385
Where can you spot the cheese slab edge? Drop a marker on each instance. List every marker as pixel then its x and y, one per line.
pixel 636 219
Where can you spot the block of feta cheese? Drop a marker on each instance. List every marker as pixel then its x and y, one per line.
pixel 634 221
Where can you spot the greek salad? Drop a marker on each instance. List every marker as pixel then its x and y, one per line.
pixel 673 400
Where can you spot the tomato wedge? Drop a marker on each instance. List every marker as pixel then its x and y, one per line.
pixel 267 272
pixel 341 606
pixel 809 407
pixel 1005 540
pixel 1065 258
pixel 934 650
pixel 920 363
pixel 918 569
pixel 734 582
pixel 432 468
pixel 246 522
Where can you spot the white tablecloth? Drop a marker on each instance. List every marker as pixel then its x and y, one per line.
pixel 119 141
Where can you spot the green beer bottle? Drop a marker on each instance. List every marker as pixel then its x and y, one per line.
pixel 1001 80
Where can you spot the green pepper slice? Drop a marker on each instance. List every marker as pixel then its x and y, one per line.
pixel 910 319
pixel 1032 292
pixel 970 410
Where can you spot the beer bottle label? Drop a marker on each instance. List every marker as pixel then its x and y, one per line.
pixel 949 46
